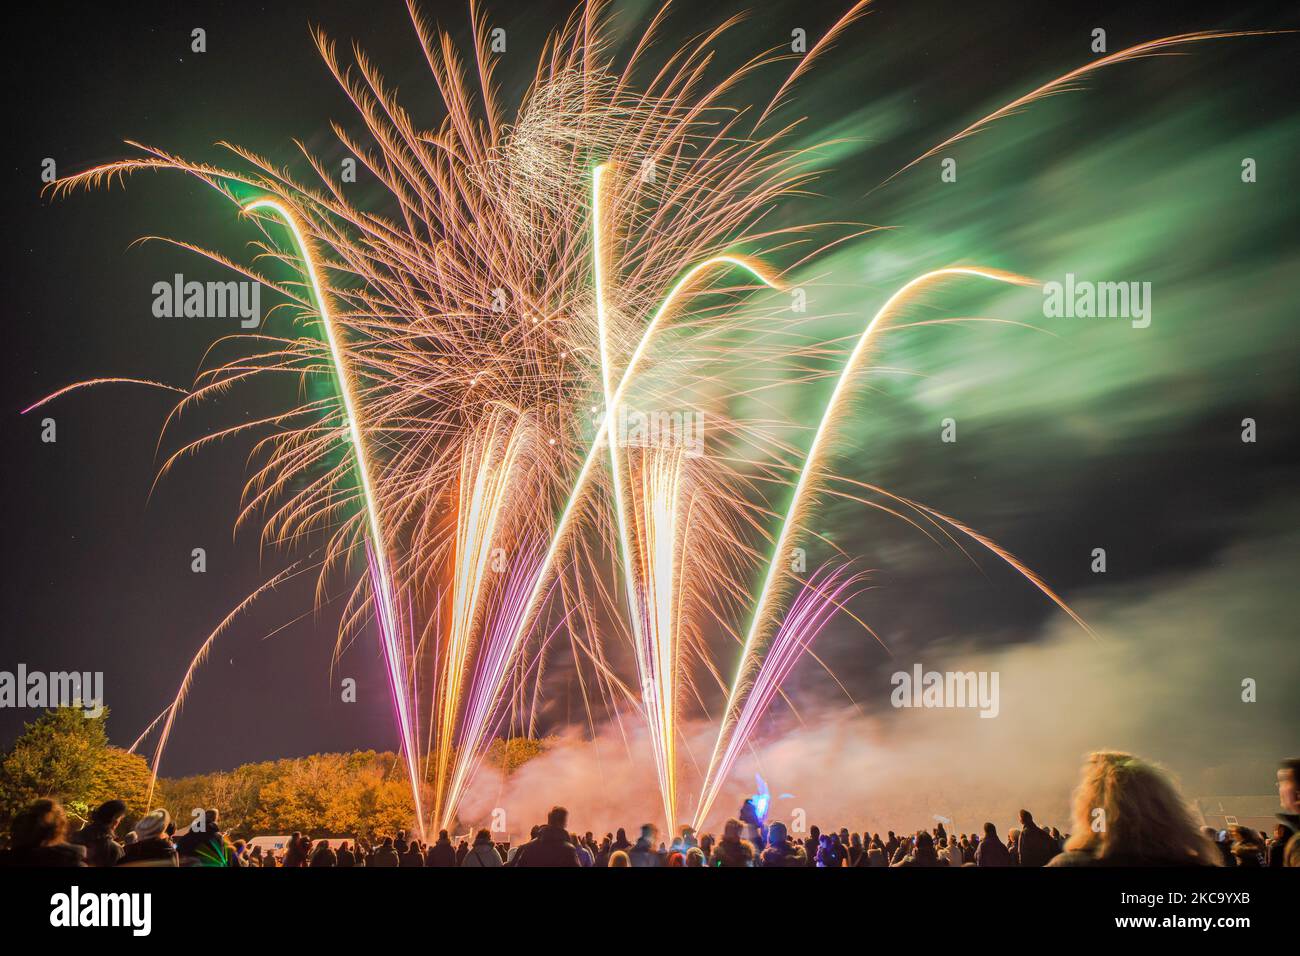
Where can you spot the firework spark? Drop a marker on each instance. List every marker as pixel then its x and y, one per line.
pixel 376 553
pixel 820 596
pixel 488 462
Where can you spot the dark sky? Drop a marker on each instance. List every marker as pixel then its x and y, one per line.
pixel 98 569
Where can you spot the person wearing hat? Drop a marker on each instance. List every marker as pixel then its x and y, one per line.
pixel 152 846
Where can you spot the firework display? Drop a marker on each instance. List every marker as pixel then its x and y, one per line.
pixel 532 392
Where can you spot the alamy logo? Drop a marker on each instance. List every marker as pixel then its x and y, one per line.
pixel 75 908
pixel 661 429
pixel 40 690
pixel 1084 299
pixel 240 299
pixel 922 688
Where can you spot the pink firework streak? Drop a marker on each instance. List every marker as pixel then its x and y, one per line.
pixel 395 658
pixel 821 596
pixel 498 650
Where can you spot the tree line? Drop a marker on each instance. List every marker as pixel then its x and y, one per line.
pixel 67 755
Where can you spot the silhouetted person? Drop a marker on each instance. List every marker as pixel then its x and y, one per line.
pixel 323 856
pixel 1288 792
pixel 781 851
pixel 482 853
pixel 98 836
pixel 37 837
pixel 643 853
pixel 203 844
pixel 412 857
pixel 442 853
pixel 294 854
pixel 731 849
pixel 811 845
pixel 385 856
pixel 1035 846
pixel 923 852
pixel 152 846
pixel 991 852
pixel 551 846
pixel 621 841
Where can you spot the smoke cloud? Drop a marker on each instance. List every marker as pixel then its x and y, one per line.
pixel 1166 681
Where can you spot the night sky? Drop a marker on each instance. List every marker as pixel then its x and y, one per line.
pixel 1095 438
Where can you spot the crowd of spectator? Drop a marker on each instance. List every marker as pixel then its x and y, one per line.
pixel 1127 812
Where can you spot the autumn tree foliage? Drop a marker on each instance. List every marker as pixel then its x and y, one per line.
pixel 66 755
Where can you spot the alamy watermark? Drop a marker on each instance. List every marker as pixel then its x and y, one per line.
pixel 922 688
pixel 660 429
pixel 41 690
pixel 1084 299
pixel 133 911
pixel 240 299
